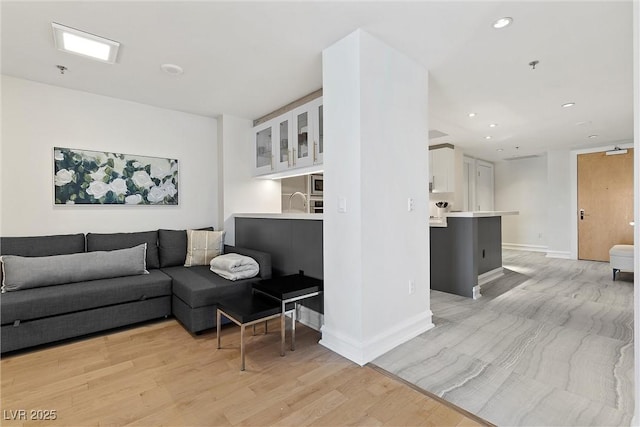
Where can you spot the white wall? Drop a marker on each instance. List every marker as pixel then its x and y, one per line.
pixel 375 118
pixel 522 185
pixel 36 117
pixel 241 192
pixel 558 206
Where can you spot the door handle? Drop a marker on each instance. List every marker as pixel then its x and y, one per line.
pixel 581 214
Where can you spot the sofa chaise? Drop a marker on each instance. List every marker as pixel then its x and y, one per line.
pixel 44 314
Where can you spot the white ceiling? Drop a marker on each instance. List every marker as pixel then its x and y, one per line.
pixel 249 58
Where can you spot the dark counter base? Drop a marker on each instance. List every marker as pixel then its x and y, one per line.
pixel 465 249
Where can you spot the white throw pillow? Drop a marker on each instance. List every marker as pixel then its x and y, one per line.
pixel 203 246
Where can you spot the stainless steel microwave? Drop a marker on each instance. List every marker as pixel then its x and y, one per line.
pixel 316 185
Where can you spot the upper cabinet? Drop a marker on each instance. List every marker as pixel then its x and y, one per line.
pixel 442 170
pixel 263 137
pixel 290 141
pixel 285 133
pixel 318 136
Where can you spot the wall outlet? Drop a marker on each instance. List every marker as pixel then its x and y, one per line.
pixel 412 287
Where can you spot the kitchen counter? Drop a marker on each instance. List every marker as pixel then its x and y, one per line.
pixel 438 222
pixel 466 252
pixel 480 214
pixel 314 217
pixel 442 221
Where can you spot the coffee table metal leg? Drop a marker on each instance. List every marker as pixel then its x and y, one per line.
pixel 282 330
pixel 218 326
pixel 242 347
pixel 293 326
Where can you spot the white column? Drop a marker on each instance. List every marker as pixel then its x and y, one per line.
pixel 376 249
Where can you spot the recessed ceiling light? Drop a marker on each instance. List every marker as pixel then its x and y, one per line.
pixel 568 104
pixel 172 69
pixel 582 123
pixel 78 42
pixel 502 22
pixel 487 137
pixel 492 125
pixel 472 114
pixel 593 136
pixel 499 149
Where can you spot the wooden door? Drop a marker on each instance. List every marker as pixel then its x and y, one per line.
pixel 605 203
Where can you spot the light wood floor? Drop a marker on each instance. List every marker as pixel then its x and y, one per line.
pixel 159 374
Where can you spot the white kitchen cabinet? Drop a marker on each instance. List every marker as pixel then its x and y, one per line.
pixel 263 137
pixel 318 133
pixel 442 170
pixel 282 150
pixel 290 141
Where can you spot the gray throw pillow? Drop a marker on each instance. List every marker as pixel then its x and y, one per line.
pixel 113 241
pixel 34 272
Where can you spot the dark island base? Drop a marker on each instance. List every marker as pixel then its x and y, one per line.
pixel 464 250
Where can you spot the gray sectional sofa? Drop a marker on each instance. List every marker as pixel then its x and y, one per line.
pixel 47 314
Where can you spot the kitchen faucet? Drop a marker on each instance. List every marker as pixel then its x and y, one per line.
pixel 304 199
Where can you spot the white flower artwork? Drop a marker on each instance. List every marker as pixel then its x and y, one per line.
pixel 96 177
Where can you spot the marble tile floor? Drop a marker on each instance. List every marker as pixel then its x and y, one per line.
pixel 548 344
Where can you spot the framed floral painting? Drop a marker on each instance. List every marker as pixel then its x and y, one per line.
pixel 97 177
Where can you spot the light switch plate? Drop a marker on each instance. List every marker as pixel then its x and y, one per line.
pixel 342 204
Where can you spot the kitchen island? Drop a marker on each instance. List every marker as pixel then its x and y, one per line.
pixel 466 251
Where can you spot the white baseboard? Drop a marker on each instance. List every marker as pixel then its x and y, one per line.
pixel 309 317
pixel 364 352
pixel 559 254
pixel 476 292
pixel 520 247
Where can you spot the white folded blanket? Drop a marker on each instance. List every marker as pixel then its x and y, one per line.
pixel 234 266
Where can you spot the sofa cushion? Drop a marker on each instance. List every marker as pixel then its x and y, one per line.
pixel 34 272
pixel 198 286
pixel 42 245
pixel 54 300
pixel 172 246
pixel 203 246
pixel 111 241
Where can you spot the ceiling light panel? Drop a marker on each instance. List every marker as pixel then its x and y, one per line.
pixel 568 104
pixel 81 43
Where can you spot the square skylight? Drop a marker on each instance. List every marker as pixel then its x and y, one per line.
pixel 78 42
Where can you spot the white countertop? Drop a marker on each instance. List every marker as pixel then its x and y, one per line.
pixel 314 217
pixel 480 214
pixel 437 222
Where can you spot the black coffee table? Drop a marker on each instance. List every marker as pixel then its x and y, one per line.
pixel 287 291
pixel 244 310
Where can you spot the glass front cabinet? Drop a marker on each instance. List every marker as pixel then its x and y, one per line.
pixel 292 140
pixel 263 137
